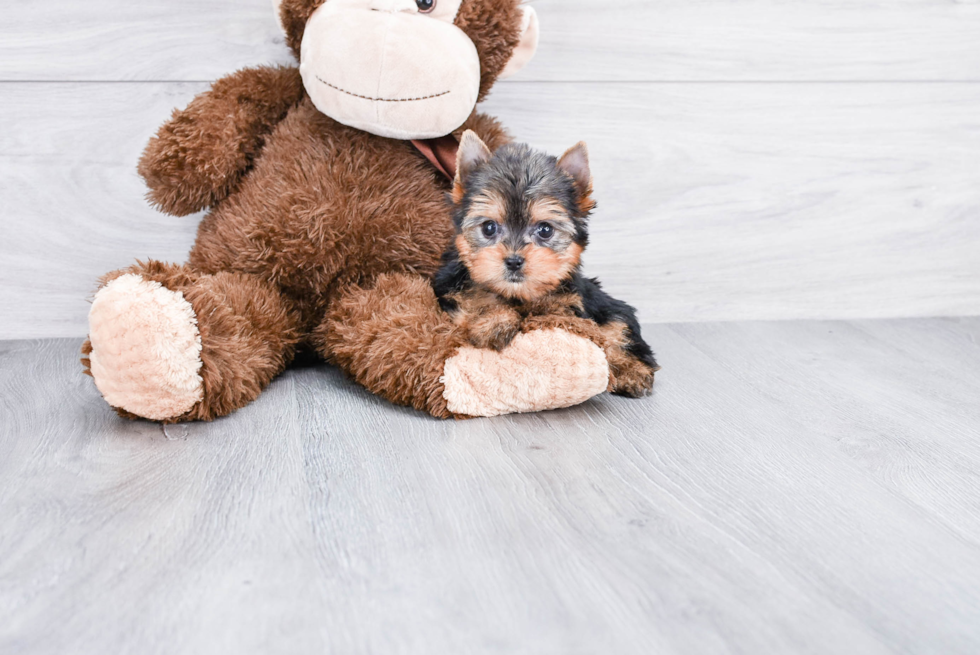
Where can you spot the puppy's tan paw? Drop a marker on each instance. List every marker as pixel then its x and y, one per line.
pixel 495 330
pixel 496 337
pixel 631 378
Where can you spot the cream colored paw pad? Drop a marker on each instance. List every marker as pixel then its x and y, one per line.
pixel 543 369
pixel 146 348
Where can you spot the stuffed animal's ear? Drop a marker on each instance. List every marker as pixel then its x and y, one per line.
pixel 276 6
pixel 527 46
pixel 472 152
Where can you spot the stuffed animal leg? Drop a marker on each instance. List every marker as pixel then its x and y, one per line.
pixel 170 344
pixel 394 340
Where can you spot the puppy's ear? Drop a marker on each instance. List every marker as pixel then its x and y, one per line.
pixel 472 152
pixel 575 162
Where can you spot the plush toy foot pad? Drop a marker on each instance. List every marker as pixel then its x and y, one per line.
pixel 539 370
pixel 146 348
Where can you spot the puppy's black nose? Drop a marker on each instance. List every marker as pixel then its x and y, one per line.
pixel 514 263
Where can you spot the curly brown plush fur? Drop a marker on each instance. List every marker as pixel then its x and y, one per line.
pixel 393 339
pixel 317 233
pixel 248 333
pixel 197 158
pixel 259 285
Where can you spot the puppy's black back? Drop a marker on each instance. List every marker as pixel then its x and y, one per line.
pixel 599 306
pixel 452 277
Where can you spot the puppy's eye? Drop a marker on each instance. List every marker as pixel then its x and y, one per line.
pixel 489 229
pixel 545 231
pixel 425 6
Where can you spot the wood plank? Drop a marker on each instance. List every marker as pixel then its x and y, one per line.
pixel 789 487
pixel 111 40
pixel 919 440
pixel 786 201
pixel 624 40
pixel 757 40
pixel 717 202
pixel 73 202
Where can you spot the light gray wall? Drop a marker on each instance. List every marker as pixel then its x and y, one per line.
pixel 799 159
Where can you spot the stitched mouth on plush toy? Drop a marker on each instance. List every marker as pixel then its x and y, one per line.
pixel 357 95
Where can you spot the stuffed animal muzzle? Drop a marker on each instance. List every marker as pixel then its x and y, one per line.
pixel 397 68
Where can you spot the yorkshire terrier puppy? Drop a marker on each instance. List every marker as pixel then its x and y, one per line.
pixel 521 221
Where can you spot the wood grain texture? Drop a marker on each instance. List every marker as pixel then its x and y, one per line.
pixel 738 202
pixel 789 488
pixel 716 202
pixel 624 40
pixel 73 206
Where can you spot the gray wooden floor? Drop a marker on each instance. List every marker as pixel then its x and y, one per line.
pixel 790 487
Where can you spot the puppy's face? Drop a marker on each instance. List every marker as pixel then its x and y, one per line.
pixel 520 216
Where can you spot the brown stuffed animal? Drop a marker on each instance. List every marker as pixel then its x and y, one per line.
pixel 326 225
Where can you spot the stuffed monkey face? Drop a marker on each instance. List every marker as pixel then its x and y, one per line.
pixel 398 68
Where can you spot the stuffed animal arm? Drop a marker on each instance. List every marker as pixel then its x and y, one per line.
pixel 187 168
